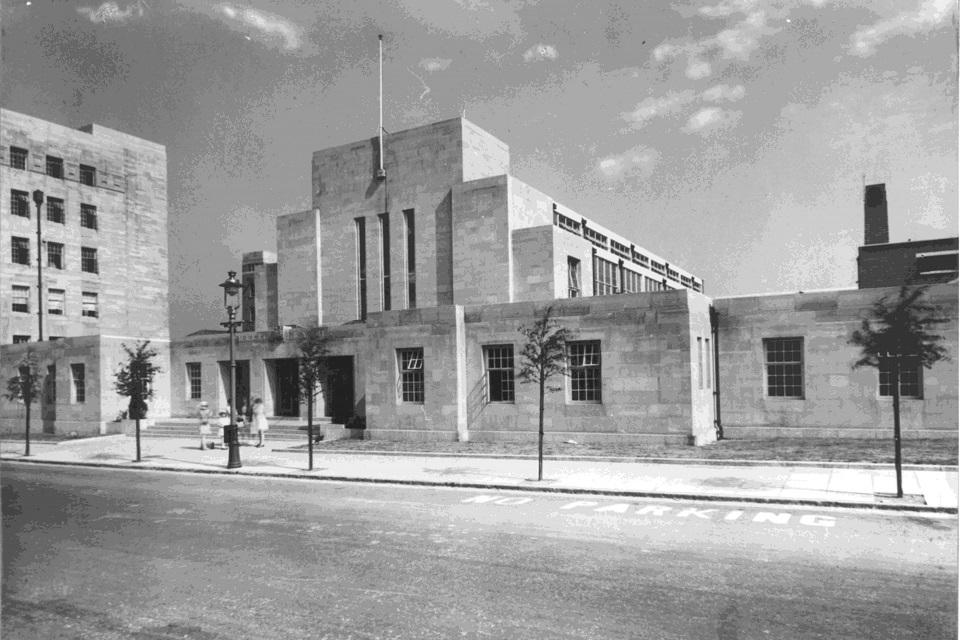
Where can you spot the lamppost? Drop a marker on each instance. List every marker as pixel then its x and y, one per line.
pixel 231 300
pixel 38 200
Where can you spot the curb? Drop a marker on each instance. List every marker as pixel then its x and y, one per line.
pixel 868 506
pixel 634 460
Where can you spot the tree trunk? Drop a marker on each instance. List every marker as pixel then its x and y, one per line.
pixel 138 439
pixel 540 438
pixel 27 449
pixel 896 425
pixel 310 430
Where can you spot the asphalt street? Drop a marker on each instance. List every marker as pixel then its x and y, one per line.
pixel 111 553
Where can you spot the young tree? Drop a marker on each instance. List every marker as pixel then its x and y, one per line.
pixel 25 387
pixel 314 345
pixel 134 380
pixel 543 356
pixel 897 330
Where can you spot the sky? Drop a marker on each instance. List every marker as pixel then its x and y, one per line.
pixel 732 137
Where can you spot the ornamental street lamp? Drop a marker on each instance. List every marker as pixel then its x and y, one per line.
pixel 38 200
pixel 231 300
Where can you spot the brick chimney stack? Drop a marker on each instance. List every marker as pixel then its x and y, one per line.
pixel 875 230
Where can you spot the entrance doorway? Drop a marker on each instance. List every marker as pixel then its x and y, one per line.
pixel 338 389
pixel 287 391
pixel 242 391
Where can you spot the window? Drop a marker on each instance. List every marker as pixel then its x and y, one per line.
pixel 385 260
pixel 54 167
pixel 499 361
pixel 20 339
pixel 408 224
pixel 573 278
pixel 88 175
pixel 88 260
pixel 55 300
pixel 21 298
pixel 784 364
pixel 55 255
pixel 584 361
pixel 699 362
pixel 632 282
pixel 55 210
pixel 88 216
pixel 20 203
pixel 20 250
pixel 78 373
pixel 410 363
pixel 605 277
pixel 360 226
pixel 708 359
pixel 91 307
pixel 193 379
pixel 18 158
pixel 911 377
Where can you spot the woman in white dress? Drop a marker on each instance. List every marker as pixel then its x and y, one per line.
pixel 259 420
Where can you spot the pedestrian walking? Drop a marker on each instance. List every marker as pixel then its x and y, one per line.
pixel 224 422
pixel 203 415
pixel 259 423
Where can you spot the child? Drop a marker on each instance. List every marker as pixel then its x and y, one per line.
pixel 203 414
pixel 224 422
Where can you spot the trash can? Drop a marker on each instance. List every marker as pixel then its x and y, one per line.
pixel 231 435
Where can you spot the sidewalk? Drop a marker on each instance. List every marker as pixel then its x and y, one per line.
pixel 926 489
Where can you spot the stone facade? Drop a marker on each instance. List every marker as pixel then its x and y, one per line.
pixel 836 399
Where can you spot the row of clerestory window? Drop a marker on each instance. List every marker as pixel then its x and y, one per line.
pixel 53 167
pixel 20 206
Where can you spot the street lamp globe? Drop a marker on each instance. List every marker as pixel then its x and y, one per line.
pixel 231 290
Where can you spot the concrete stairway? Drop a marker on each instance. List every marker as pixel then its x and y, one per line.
pixel 280 428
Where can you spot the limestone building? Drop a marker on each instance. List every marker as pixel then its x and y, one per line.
pixel 102 249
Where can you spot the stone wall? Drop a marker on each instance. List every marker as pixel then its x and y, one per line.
pixel 481 256
pixel 838 401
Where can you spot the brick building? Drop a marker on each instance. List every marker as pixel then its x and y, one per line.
pixel 103 252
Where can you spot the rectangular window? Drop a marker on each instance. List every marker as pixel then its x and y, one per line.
pixel 784 365
pixel 632 282
pixel 911 377
pixel 55 210
pixel 360 226
pixel 385 260
pixel 88 216
pixel 410 364
pixel 605 277
pixel 411 250
pixel 21 298
pixel 54 167
pixel 20 203
pixel 699 362
pixel 18 158
pixel 78 373
pixel 499 361
pixel 55 255
pixel 91 306
pixel 55 301
pixel 583 359
pixel 193 380
pixel 573 278
pixel 88 175
pixel 20 250
pixel 88 260
pixel 709 361
pixel 20 339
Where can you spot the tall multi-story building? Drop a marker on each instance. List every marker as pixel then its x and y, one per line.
pixel 97 243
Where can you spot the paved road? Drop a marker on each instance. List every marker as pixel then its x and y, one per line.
pixel 103 554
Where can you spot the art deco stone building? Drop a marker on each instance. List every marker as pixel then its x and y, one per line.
pixel 103 253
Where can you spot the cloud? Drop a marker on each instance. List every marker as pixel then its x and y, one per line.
pixel 435 64
pixel 111 12
pixel 724 93
pixel 267 27
pixel 650 108
pixel 925 17
pixel 540 52
pixel 698 69
pixel 709 119
pixel 639 161
pixel 426 89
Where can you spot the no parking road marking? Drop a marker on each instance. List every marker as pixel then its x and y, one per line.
pixel 668 511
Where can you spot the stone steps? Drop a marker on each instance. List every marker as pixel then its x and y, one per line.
pixel 280 428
